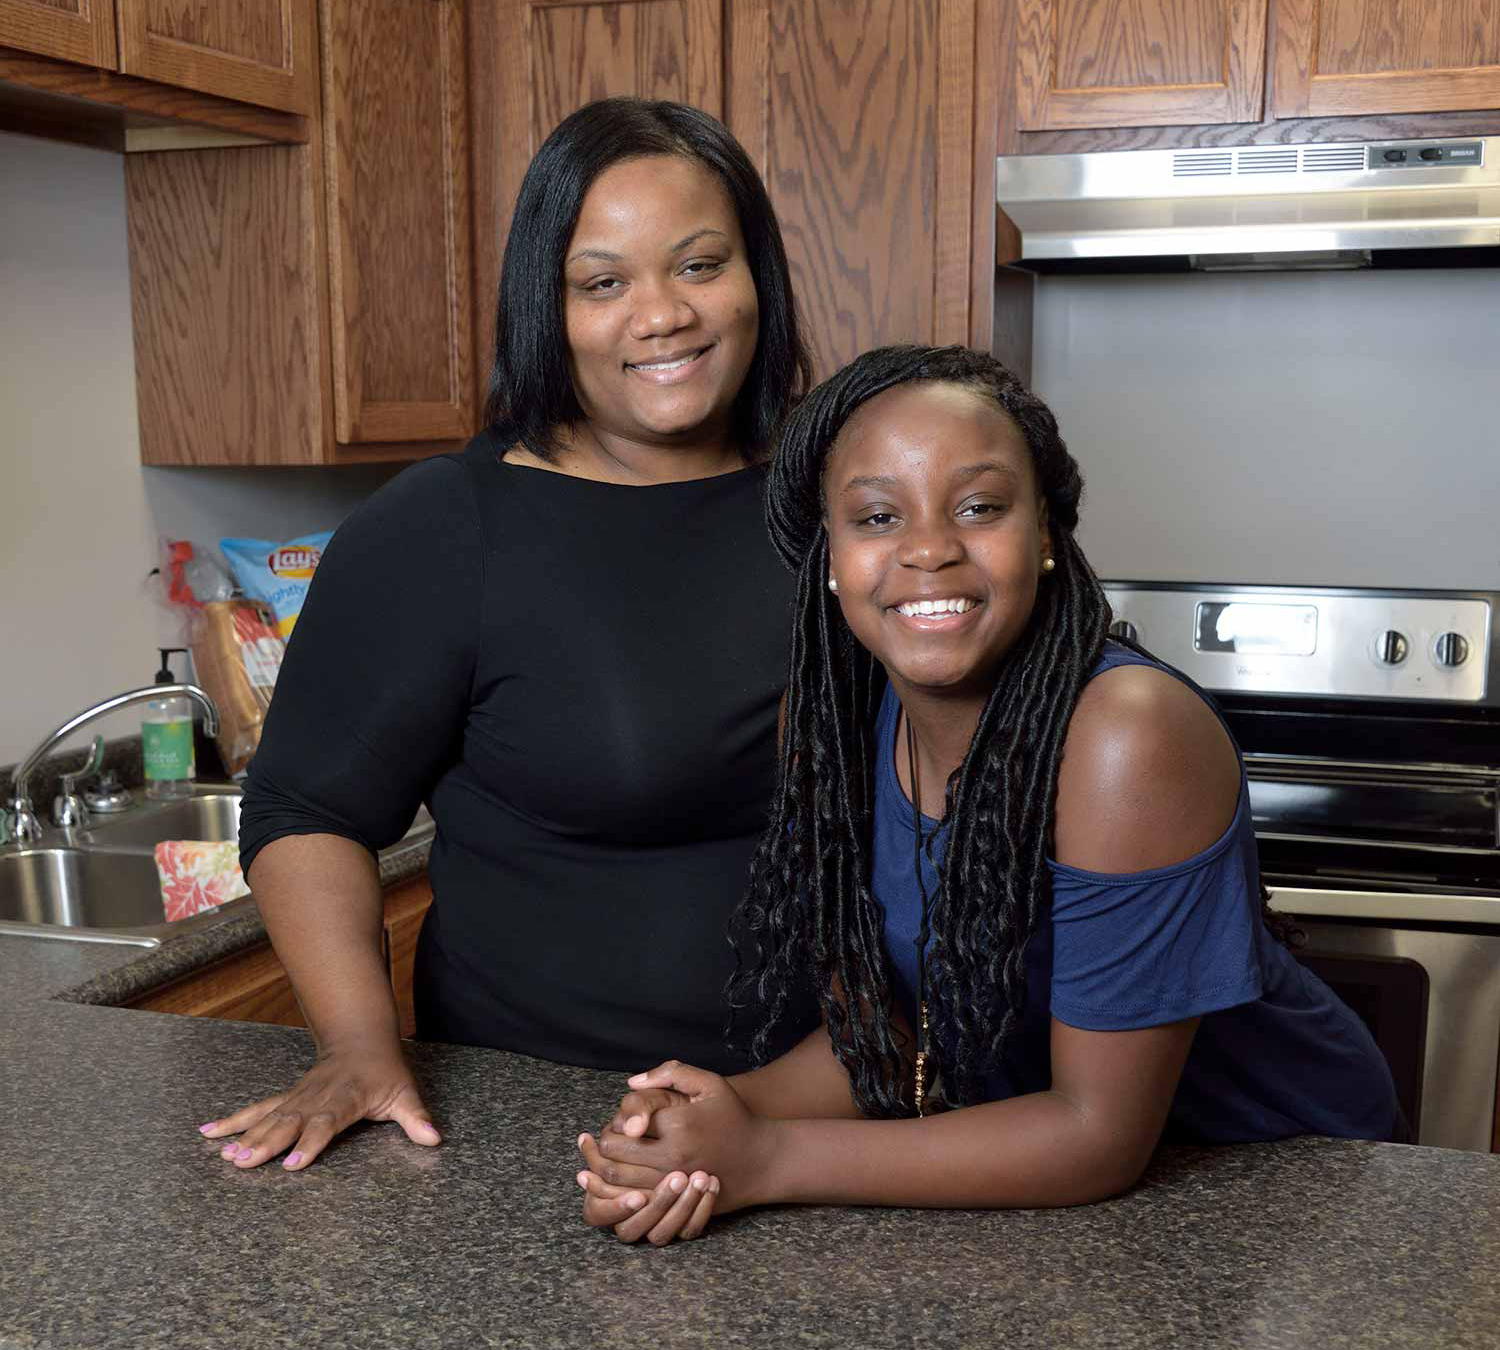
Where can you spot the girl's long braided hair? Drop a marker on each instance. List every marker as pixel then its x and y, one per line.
pixel 809 921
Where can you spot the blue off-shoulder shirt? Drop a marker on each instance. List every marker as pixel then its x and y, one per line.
pixel 1276 1054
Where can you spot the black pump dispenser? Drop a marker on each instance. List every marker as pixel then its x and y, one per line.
pixel 164 675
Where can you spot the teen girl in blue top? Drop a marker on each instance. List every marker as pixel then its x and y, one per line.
pixel 1013 858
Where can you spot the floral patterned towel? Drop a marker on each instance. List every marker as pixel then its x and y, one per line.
pixel 198 876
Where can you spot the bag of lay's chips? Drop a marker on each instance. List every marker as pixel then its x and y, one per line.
pixel 278 574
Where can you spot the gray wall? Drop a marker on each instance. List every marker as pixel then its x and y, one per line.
pixel 79 517
pixel 1333 428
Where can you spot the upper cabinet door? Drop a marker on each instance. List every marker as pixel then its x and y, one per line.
pixel 1339 57
pixel 861 118
pixel 396 129
pixel 254 51
pixel 558 55
pixel 1136 63
pixel 536 61
pixel 71 30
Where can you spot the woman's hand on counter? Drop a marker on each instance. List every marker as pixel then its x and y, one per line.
pixel 362 1082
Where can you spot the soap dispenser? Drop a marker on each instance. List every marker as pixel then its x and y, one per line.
pixel 167 737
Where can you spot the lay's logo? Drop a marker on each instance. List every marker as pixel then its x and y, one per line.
pixel 294 560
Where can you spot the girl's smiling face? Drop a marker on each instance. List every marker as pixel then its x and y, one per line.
pixel 936 534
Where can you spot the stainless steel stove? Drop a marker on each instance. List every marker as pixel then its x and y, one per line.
pixel 1370 726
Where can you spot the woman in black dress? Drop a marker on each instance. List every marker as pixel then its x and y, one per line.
pixel 568 640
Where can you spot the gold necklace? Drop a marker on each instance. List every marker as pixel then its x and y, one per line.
pixel 922 929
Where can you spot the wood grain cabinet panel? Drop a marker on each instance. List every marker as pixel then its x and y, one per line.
pixel 395 119
pixel 71 30
pixel 1345 57
pixel 250 986
pixel 255 51
pixel 536 61
pixel 860 114
pixel 405 908
pixel 1117 63
pixel 226 306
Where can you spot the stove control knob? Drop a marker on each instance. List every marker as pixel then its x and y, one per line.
pixel 1123 628
pixel 1450 650
pixel 1390 648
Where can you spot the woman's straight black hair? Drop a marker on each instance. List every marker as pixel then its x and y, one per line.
pixel 531 390
pixel 809 920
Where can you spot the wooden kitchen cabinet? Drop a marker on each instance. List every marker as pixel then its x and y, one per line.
pixel 312 304
pixel 1343 57
pixel 405 907
pixel 70 30
pixel 252 51
pixel 1114 63
pixel 396 147
pixel 252 986
pixel 532 62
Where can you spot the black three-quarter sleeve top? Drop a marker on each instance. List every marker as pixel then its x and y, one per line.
pixel 581 681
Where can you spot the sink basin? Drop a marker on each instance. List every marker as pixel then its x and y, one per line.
pixel 99 884
pixel 209 816
pixel 82 893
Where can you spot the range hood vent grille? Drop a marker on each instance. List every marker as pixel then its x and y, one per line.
pixel 1202 164
pixel 1333 158
pixel 1268 159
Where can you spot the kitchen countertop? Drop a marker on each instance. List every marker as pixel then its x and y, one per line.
pixel 121 1227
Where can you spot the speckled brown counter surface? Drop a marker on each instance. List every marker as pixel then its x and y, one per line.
pixel 121 1227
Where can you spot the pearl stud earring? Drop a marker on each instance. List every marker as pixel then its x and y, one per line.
pixel 1048 564
pixel 833 585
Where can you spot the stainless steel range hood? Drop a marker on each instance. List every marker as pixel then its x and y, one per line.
pixel 1260 206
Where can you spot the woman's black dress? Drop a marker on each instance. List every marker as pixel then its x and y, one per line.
pixel 581 680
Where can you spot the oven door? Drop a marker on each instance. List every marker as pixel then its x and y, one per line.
pixel 1424 975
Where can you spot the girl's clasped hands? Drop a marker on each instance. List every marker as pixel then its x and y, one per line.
pixel 680 1148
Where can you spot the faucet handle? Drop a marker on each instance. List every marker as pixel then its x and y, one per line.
pixel 68 809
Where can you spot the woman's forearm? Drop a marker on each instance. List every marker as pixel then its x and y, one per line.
pixel 321 900
pixel 1035 1151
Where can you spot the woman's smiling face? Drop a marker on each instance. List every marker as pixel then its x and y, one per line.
pixel 936 534
pixel 660 307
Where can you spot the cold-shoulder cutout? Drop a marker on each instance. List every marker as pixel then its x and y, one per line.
pixel 1149 776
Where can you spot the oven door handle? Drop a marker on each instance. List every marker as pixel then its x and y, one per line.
pixel 1393 906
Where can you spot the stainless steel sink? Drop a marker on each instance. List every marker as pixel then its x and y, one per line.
pixel 80 889
pixel 212 816
pixel 99 884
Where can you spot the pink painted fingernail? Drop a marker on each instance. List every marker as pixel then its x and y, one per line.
pixel 204 1129
pixel 292 1159
pixel 429 1127
pixel 245 1153
pixel 229 1150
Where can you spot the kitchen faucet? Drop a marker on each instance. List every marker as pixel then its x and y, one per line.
pixel 25 828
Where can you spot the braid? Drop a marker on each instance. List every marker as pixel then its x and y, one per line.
pixel 809 915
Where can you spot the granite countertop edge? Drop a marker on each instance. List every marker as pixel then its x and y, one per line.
pixel 181 955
